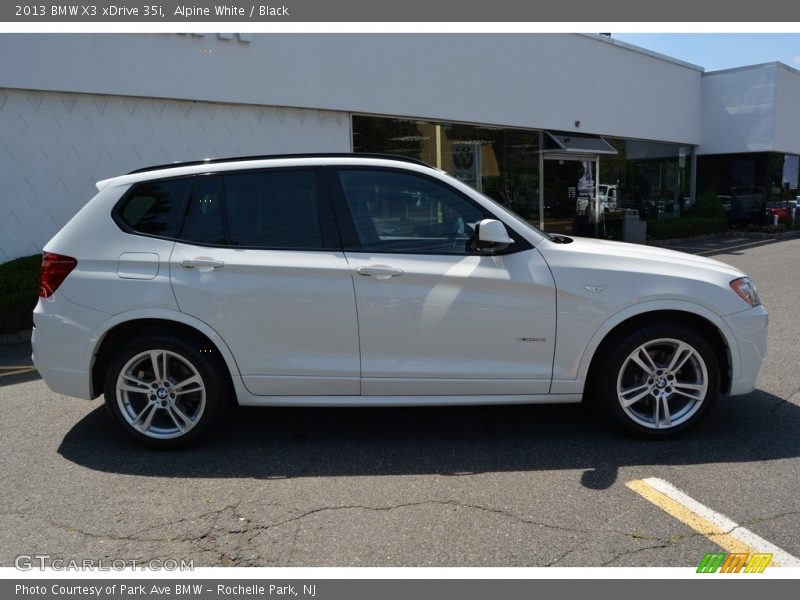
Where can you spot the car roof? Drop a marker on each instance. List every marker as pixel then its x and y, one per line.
pixel 209 165
pixel 210 161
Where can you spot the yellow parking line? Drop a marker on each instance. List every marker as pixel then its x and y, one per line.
pixel 684 515
pixel 718 528
pixel 18 371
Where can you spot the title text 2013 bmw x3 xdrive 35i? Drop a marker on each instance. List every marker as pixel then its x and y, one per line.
pixel 343 280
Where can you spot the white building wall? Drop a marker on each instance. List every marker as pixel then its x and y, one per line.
pixel 751 109
pixel 55 146
pixel 738 111
pixel 787 121
pixel 517 80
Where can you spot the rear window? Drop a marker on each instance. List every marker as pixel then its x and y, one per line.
pixel 155 207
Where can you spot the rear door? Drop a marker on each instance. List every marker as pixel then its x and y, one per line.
pixel 260 261
pixel 436 316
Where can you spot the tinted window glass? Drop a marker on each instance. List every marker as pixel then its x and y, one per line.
pixel 155 207
pixel 273 209
pixel 398 212
pixel 204 218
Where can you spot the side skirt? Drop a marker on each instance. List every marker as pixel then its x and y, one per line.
pixel 320 401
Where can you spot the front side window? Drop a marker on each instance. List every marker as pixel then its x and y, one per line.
pixel 399 212
pixel 155 207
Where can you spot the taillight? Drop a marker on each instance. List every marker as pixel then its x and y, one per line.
pixel 55 269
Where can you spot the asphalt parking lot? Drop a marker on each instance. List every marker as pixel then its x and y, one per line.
pixel 482 486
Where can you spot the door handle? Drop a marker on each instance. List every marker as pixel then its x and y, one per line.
pixel 379 272
pixel 204 265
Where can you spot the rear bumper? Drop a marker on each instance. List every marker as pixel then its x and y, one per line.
pixel 750 329
pixel 60 340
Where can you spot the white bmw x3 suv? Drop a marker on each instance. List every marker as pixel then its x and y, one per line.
pixel 360 280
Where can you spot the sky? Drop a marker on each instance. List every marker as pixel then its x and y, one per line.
pixel 715 51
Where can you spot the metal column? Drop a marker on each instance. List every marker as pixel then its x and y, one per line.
pixel 597 196
pixel 541 180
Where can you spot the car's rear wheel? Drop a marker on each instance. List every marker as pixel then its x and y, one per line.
pixel 658 380
pixel 163 391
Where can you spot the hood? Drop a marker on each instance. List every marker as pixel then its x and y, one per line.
pixel 650 253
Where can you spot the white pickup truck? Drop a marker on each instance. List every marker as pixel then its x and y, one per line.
pixel 607 200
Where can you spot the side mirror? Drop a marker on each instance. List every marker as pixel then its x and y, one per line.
pixel 492 235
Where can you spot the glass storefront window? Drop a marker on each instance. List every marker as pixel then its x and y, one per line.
pixel 749 183
pixel 501 163
pixel 652 177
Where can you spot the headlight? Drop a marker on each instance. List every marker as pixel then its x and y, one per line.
pixel 747 290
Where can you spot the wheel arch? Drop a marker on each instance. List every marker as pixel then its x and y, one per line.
pixel 719 335
pixel 137 323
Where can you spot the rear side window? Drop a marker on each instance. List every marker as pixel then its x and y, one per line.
pixel 273 209
pixel 204 218
pixel 155 207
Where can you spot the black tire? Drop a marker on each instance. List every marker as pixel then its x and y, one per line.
pixel 658 337
pixel 182 355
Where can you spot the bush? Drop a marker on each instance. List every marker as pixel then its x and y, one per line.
pixel 19 286
pixel 708 206
pixel 685 227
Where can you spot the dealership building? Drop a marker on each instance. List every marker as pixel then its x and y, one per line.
pixel 539 122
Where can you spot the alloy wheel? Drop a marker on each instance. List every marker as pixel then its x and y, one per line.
pixel 160 394
pixel 662 383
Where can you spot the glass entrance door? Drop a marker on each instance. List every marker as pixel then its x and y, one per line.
pixel 570 190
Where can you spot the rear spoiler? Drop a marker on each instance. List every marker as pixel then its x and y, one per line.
pixel 101 185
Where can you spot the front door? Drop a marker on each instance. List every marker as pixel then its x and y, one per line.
pixel 437 316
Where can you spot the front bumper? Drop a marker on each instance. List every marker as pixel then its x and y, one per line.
pixel 749 327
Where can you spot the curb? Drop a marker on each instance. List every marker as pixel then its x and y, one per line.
pixel 23 337
pixel 756 235
pixel 673 241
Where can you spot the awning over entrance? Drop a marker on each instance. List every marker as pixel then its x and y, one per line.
pixel 559 142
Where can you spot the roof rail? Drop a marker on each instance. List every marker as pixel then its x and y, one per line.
pixel 211 161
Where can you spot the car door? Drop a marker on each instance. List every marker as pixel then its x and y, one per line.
pixel 436 315
pixel 259 260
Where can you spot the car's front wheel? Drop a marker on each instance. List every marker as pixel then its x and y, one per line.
pixel 164 391
pixel 658 380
